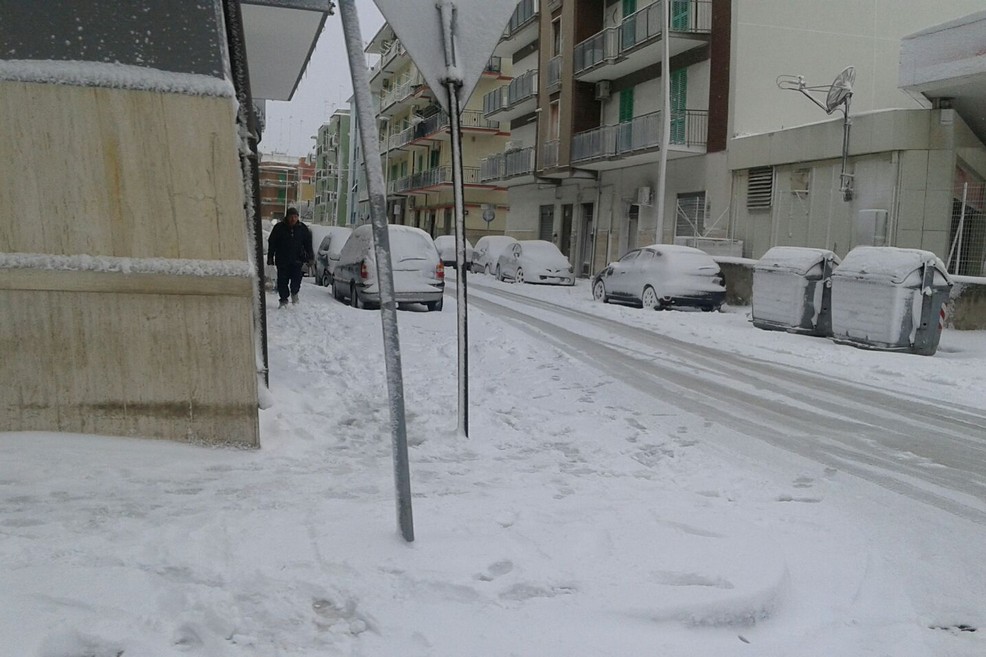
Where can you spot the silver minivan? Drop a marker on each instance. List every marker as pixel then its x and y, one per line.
pixel 327 252
pixel 419 275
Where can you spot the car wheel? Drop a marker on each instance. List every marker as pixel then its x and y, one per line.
pixel 325 279
pixel 519 276
pixel 435 305
pixel 599 292
pixel 649 299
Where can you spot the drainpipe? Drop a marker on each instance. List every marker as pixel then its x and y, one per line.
pixel 249 160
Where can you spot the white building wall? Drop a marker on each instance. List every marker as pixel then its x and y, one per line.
pixel 817 40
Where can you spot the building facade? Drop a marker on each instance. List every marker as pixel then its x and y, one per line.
pixel 585 108
pixel 286 181
pixel 416 150
pixel 332 170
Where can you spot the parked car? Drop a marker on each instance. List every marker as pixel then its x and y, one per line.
pixel 446 250
pixel 662 276
pixel 318 232
pixel 327 253
pixel 487 250
pixel 419 275
pixel 534 261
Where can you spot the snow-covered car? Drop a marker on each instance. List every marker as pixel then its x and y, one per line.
pixel 327 253
pixel 419 275
pixel 446 250
pixel 534 261
pixel 487 251
pixel 662 276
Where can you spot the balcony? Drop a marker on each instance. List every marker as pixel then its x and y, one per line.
pixel 522 28
pixel 636 42
pixel 388 59
pixel 404 89
pixel 425 180
pixel 502 167
pixel 493 66
pixel 634 142
pixel 554 73
pixel 549 154
pixel 513 100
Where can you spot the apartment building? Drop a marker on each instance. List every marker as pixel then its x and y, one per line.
pixel 286 181
pixel 332 170
pixel 416 149
pixel 584 108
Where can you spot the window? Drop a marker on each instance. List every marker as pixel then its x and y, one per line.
pixel 546 222
pixel 690 215
pixel 760 188
pixel 554 120
pixel 556 37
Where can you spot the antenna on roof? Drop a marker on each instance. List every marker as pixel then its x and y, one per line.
pixel 837 95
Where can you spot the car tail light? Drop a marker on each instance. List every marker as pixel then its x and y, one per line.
pixel 718 279
pixel 363 273
pixel 440 271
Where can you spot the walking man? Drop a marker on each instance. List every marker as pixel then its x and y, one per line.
pixel 289 247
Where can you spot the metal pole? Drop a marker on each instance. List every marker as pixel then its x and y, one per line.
pixel 452 84
pixel 845 180
pixel 666 120
pixel 388 307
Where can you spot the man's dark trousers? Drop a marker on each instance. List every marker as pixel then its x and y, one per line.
pixel 288 275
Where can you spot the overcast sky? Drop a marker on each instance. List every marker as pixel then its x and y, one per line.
pixel 324 88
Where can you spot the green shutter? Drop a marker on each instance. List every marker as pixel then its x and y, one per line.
pixel 629 7
pixel 679 14
pixel 434 159
pixel 626 105
pixel 679 103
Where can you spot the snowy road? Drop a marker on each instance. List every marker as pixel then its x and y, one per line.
pixel 931 450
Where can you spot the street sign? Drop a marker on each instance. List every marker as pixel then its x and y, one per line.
pixel 489 213
pixel 477 26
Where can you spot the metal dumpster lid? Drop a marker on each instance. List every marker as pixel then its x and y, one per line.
pixel 889 262
pixel 796 259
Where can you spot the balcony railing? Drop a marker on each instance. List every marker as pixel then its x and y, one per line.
pixel 495 100
pixel 601 47
pixel 494 65
pixel 507 165
pixel 524 13
pixel 523 87
pixel 549 154
pixel 688 129
pixel 554 72
pixel 519 163
pixel 644 26
pixel 438 176
pixel 388 55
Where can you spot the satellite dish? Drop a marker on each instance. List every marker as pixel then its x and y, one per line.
pixel 841 89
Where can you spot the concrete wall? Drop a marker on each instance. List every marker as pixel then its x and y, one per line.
pixel 147 178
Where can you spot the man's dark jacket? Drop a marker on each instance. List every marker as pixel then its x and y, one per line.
pixel 290 245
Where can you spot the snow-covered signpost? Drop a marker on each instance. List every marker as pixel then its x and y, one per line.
pixel 432 32
pixel 385 274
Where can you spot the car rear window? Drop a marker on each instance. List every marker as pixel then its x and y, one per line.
pixel 408 245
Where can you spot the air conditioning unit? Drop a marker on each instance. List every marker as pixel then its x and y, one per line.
pixel 513 145
pixel 644 196
pixel 602 90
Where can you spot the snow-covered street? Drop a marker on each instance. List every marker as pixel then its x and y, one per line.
pixel 634 483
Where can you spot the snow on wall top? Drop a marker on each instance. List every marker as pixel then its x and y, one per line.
pixel 888 262
pixel 116 76
pixel 167 266
pixel 794 259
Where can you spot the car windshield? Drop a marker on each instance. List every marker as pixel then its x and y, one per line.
pixel 543 249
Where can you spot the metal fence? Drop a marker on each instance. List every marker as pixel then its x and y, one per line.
pixel 967 233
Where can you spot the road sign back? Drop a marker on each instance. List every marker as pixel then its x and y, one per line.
pixel 476 27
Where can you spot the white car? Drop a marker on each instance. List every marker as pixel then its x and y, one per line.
pixel 487 251
pixel 662 276
pixel 327 253
pixel 446 250
pixel 534 261
pixel 419 276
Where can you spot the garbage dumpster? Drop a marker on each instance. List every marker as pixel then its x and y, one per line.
pixel 889 298
pixel 792 290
